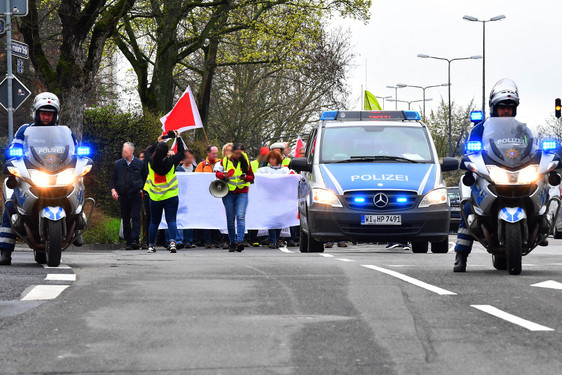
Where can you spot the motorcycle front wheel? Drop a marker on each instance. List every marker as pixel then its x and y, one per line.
pixel 53 243
pixel 513 244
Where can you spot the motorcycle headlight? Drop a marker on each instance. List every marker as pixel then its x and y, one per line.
pixel 14 171
pixel 525 176
pixel 66 177
pixel 321 196
pixel 434 197
pixel 40 179
pixel 86 170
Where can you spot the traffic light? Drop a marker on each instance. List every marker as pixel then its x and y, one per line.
pixel 558 108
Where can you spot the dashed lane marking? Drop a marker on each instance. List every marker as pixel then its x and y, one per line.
pixel 285 250
pixel 411 280
pixel 61 277
pixel 326 255
pixel 44 292
pixel 527 324
pixel 345 260
pixel 550 284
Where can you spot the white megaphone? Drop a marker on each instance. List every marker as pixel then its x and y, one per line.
pixel 218 188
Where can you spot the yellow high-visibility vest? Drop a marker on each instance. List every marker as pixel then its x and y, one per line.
pixel 164 188
pixel 235 181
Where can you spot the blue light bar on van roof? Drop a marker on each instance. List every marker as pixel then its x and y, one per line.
pixel 476 116
pixel 412 115
pixel 329 116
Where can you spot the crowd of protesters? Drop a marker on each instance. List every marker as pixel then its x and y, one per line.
pixel 147 187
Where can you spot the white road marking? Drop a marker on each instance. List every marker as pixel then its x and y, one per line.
pixel 550 284
pixel 400 265
pixel 452 246
pixel 44 292
pixel 61 277
pixel 61 267
pixel 285 250
pixel 511 318
pixel 326 255
pixel 345 260
pixel 411 280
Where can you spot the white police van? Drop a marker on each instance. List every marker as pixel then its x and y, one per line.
pixel 373 176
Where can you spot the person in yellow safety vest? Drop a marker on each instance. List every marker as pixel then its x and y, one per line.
pixel 238 174
pixel 280 147
pixel 261 160
pixel 163 190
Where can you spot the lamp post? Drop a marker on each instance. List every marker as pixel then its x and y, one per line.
pixel 449 61
pixel 410 101
pixel 484 22
pixel 383 99
pixel 396 87
pixel 423 88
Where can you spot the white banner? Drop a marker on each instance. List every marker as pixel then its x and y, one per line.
pixel 272 203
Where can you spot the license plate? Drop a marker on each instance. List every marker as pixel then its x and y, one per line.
pixel 381 219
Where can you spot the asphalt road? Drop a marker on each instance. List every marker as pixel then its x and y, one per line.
pixel 360 310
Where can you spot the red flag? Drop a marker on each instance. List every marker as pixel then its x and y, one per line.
pixel 300 144
pixel 183 116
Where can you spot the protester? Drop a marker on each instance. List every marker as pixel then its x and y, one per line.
pixel 237 172
pixel 261 160
pixel 280 147
pixel 188 163
pixel 286 150
pixel 162 187
pixel 210 237
pixel 126 183
pixel 275 159
pixel 227 150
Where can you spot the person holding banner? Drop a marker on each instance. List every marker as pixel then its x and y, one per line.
pixel 163 190
pixel 237 172
pixel 275 160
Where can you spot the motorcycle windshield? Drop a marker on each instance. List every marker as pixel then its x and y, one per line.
pixel 508 142
pixel 49 148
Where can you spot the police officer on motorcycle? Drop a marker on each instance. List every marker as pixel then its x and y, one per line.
pixel 504 99
pixel 46 110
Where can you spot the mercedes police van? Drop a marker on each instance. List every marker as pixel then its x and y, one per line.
pixel 373 176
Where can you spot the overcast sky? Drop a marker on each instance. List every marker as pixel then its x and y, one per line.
pixel 526 47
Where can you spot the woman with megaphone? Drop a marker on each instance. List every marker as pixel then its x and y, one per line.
pixel 237 172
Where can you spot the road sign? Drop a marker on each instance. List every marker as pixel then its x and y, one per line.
pixel 20 49
pixel 19 8
pixel 19 91
pixel 20 66
pixel 2 26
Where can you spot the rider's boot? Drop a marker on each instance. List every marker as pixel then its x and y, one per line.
pixel 460 262
pixel 5 257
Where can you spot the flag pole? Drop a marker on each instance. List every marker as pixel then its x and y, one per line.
pixel 206 138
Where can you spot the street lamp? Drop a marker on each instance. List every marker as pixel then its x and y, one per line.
pixel 484 22
pixel 425 88
pixel 396 87
pixel 449 61
pixel 383 99
pixel 410 101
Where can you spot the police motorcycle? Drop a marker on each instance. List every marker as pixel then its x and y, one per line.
pixel 507 187
pixel 45 191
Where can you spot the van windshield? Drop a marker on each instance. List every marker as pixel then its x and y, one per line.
pixel 375 143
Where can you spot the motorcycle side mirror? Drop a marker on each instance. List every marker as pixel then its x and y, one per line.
pixel 300 165
pixel 449 164
pixel 11 183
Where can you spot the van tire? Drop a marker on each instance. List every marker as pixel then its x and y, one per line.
pixel 420 247
pixel 440 247
pixel 314 246
pixel 303 244
pixel 557 234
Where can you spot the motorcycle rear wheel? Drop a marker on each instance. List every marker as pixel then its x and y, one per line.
pixel 513 244
pixel 53 243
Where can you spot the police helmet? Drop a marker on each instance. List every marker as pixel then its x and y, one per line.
pixel 46 102
pixel 504 93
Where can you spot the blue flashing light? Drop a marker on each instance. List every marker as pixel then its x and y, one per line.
pixel 549 145
pixel 329 115
pixel 15 152
pixel 412 115
pixel 476 116
pixel 473 146
pixel 83 151
pixel 359 200
pixel 401 200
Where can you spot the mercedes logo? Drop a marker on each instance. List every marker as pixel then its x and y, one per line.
pixel 380 200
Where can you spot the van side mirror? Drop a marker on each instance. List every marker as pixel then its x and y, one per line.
pixel 449 164
pixel 300 165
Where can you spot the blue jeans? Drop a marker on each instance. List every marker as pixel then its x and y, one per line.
pixel 170 208
pixel 184 236
pixel 274 235
pixel 235 206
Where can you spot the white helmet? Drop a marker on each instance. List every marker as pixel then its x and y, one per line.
pixel 46 102
pixel 505 93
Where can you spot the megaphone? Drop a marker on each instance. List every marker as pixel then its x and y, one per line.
pixel 218 188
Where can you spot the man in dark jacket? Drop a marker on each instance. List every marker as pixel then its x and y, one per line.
pixel 127 180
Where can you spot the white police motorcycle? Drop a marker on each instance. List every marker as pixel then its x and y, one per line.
pixel 45 191
pixel 508 191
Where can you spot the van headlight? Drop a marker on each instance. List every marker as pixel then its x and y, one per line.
pixel 434 197
pixel 322 196
pixel 525 176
